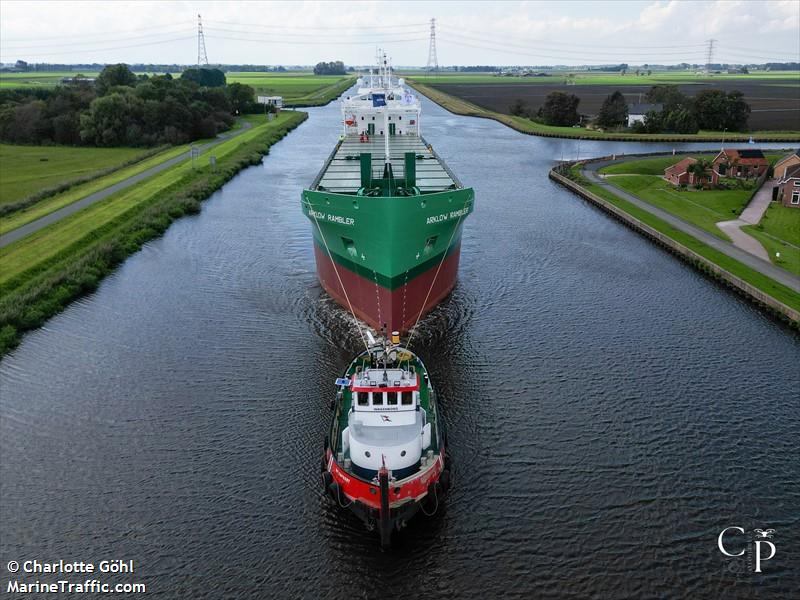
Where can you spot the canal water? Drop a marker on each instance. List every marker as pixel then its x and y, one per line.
pixel 610 410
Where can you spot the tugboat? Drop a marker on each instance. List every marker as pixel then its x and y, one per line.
pixel 386 455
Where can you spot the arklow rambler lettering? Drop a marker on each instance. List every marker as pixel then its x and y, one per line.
pixel 453 214
pixel 331 217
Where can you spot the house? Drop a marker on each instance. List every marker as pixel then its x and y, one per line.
pixel 637 112
pixel 789 187
pixel 679 174
pixel 740 163
pixel 785 163
pixel 276 101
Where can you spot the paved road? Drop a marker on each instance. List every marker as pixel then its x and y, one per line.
pixel 70 209
pixel 751 215
pixel 764 267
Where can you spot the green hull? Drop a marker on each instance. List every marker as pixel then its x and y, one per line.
pixel 390 239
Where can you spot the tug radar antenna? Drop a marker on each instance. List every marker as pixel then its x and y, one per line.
pixel 202 57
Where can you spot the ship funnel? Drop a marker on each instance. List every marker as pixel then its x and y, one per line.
pixel 395 337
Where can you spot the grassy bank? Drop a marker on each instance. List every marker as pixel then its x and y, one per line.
pixel 30 211
pixel 28 170
pixel 523 125
pixel 779 233
pixel 43 272
pixel 297 89
pixel 779 230
pixel 754 278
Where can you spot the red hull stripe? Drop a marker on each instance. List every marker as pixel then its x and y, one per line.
pixel 376 305
pixel 409 489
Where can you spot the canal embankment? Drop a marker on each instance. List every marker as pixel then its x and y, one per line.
pixel 768 286
pixel 41 273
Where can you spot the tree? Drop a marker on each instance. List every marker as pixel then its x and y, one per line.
pixel 205 77
pixel 700 169
pixel 560 109
pixel 614 111
pixel 668 95
pixel 329 68
pixel 716 110
pixel 519 108
pixel 113 76
pixel 241 97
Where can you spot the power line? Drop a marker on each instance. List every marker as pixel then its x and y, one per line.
pixel 484 36
pixel 202 57
pixel 368 29
pixel 508 50
pixel 322 43
pixel 85 51
pixel 153 36
pixel 113 34
pixel 433 62
pixel 710 55
pixel 537 47
pixel 312 36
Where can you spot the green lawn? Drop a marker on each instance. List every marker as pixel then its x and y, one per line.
pixel 762 282
pixel 52 203
pixel 45 244
pixel 779 232
pixel 704 208
pixel 296 88
pixel 25 170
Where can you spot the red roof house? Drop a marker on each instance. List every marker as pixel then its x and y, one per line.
pixel 679 174
pixel 740 163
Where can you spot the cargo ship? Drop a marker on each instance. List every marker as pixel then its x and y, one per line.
pixel 386 211
pixel 386 455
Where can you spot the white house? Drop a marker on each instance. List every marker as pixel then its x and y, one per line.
pixel 276 101
pixel 637 112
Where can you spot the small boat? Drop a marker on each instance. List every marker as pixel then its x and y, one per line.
pixel 386 453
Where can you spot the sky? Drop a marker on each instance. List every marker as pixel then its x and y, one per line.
pixel 467 33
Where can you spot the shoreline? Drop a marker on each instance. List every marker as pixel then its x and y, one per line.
pixel 704 264
pixel 45 288
pixel 459 106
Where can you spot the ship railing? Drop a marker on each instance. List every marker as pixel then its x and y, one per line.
pixel 447 170
pixel 328 161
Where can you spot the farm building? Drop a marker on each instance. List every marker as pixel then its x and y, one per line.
pixel 785 163
pixel 740 163
pixel 789 187
pixel 680 174
pixel 637 112
pixel 276 101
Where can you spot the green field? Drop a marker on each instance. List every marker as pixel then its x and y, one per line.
pixel 303 89
pixel 30 169
pixel 779 232
pixel 602 78
pixel 47 205
pixel 704 208
pixel 762 282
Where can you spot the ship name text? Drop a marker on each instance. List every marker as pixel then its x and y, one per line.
pixel 453 214
pixel 331 217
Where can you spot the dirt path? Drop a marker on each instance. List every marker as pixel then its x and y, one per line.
pixel 70 209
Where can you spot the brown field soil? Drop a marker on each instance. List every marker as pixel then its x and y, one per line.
pixel 775 104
